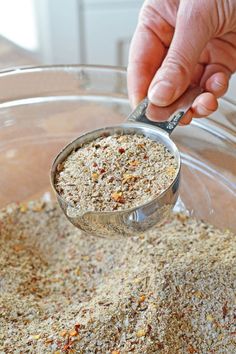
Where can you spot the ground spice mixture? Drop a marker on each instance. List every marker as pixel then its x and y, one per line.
pixel 115 172
pixel 169 291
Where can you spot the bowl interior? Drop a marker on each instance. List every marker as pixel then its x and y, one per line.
pixel 43 109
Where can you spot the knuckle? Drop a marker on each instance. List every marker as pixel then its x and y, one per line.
pixel 179 63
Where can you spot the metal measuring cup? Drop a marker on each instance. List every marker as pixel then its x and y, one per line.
pixel 131 221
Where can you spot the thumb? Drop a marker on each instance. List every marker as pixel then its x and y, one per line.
pixel 190 37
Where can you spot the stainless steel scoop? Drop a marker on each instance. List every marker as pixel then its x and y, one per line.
pixel 139 219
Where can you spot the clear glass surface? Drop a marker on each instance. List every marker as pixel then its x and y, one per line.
pixel 42 109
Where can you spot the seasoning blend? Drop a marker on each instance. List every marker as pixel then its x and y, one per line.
pixel 170 290
pixel 115 172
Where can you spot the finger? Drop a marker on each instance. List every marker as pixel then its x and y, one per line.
pixel 158 113
pixel 175 74
pixel 187 118
pixel 219 56
pixel 146 54
pixel 197 74
pixel 217 84
pixel 147 50
pixel 204 105
pixel 212 69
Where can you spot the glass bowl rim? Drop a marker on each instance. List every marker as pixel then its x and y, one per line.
pixel 210 125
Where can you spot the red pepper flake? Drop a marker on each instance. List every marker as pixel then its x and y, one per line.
pixel 68 345
pixel 134 163
pixel 111 179
pixel 102 170
pixel 145 157
pixel 77 327
pixel 141 146
pixel 191 349
pixel 142 298
pixel 149 329
pixel 18 247
pixel 95 164
pixel 59 343
pixel 48 341
pixel 129 178
pixel 94 176
pixel 160 345
pixel 60 167
pixel 73 333
pixel 118 197
pixel 63 333
pixel 225 310
pixel 121 150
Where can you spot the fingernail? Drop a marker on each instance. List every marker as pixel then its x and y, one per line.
pixel 161 93
pixel 216 85
pixel 183 124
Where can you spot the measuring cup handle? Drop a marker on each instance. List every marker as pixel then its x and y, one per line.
pixel 139 115
pixel 185 102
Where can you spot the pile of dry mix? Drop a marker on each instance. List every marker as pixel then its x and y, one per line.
pixel 171 290
pixel 115 172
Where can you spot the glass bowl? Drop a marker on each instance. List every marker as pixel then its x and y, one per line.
pixel 43 108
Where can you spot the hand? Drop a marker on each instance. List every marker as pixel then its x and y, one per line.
pixel 178 43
